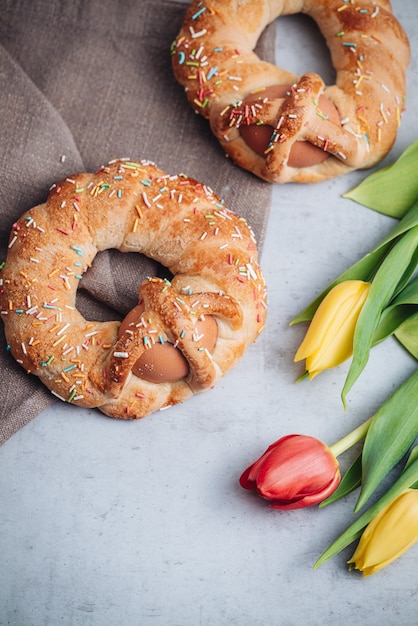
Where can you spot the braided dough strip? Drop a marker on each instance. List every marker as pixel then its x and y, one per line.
pixel 133 207
pixel 213 59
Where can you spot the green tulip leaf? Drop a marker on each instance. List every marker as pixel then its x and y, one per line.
pixel 407 335
pixel 408 295
pixel 366 267
pixel 350 481
pixel 411 459
pixel 391 320
pixel 393 268
pixel 391 190
pixel 413 456
pixel 401 317
pixel 407 222
pixel 403 283
pixel 393 429
pixel 362 270
pixel 407 479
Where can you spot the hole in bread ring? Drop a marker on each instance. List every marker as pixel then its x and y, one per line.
pixel 206 314
pixel 214 59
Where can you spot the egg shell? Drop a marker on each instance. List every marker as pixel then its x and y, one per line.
pixel 163 362
pixel 302 153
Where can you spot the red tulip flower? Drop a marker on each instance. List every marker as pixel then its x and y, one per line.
pixel 294 472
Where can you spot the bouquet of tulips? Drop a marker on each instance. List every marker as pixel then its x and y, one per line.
pixel 375 298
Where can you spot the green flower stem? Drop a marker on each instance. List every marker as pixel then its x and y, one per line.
pixel 351 439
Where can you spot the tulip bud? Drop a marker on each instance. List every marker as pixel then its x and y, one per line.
pixel 329 340
pixel 294 472
pixel 391 533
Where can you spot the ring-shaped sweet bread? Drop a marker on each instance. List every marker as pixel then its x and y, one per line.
pixel 287 128
pixel 183 335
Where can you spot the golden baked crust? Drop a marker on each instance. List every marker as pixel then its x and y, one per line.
pixel 133 207
pixel 213 59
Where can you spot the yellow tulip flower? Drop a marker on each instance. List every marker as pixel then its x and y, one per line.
pixel 391 533
pixel 329 340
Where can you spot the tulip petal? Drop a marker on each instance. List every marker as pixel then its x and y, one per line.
pixel 294 472
pixel 309 499
pixel 337 344
pixel 391 533
pixel 333 309
pixel 248 477
pixel 297 467
pixel 329 339
pixel 245 481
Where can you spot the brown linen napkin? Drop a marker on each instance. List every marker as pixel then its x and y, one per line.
pixel 81 83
